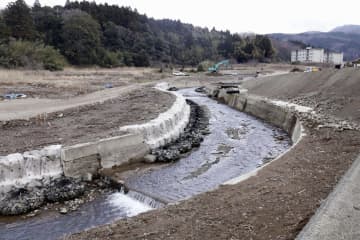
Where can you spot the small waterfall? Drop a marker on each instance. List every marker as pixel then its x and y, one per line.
pixel 133 203
pixel 125 204
pixel 150 201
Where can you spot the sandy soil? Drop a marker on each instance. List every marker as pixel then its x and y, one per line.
pixel 279 201
pixel 84 123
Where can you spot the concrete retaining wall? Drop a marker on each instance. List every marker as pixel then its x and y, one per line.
pixel 280 114
pixel 20 169
pixel 79 161
pixel 260 107
pixel 83 160
pixel 167 126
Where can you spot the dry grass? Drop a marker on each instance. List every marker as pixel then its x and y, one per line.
pixel 83 80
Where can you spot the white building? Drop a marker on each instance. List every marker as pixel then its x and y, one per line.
pixel 334 58
pixel 316 55
pixel 308 55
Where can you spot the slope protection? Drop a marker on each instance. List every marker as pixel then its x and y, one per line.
pixel 333 91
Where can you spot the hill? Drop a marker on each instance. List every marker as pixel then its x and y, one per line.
pixel 347 29
pixel 336 41
pixel 86 33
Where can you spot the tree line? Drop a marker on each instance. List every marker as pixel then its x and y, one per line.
pixel 85 33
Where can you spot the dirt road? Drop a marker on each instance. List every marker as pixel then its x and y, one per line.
pixel 27 108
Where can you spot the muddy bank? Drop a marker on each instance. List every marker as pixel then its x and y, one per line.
pixel 85 123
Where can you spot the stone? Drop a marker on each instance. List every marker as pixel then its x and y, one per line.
pixel 63 210
pixel 88 177
pixel 150 158
pixel 173 89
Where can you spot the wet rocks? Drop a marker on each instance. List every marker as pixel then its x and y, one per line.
pixel 200 90
pixel 192 136
pixel 173 89
pixel 107 182
pixel 20 201
pixel 26 199
pixel 48 192
pixel 63 189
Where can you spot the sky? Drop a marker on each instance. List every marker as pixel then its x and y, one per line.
pixel 238 16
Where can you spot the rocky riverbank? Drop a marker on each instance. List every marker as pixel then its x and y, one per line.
pixel 191 138
pixel 67 193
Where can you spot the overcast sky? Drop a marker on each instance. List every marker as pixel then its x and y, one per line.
pixel 259 16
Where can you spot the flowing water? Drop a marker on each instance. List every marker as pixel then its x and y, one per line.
pixel 237 144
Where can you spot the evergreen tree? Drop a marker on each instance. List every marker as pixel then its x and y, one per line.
pixel 108 35
pixel 82 39
pixel 17 17
pixel 4 30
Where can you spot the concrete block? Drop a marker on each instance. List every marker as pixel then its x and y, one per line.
pixel 121 150
pixel 80 159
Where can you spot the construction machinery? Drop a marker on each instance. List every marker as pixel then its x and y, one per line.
pixel 215 68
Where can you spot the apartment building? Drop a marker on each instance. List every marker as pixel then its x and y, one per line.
pixel 316 55
pixel 334 58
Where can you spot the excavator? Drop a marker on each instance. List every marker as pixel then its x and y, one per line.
pixel 215 68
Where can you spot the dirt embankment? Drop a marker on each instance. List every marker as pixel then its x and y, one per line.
pixel 330 91
pixel 85 123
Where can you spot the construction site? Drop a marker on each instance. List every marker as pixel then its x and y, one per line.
pixel 241 151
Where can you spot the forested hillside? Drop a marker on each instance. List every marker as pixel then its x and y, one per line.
pixel 84 33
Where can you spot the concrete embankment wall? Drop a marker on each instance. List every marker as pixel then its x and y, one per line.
pixel 82 160
pixel 167 127
pixel 270 111
pixel 20 169
pixel 280 115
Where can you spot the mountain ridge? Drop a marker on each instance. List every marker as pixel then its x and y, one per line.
pixel 344 39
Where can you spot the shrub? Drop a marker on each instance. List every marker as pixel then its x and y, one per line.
pixel 30 55
pixel 109 59
pixel 204 65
